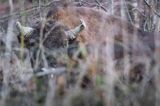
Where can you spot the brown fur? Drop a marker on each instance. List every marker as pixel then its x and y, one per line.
pixel 101 29
pixel 101 26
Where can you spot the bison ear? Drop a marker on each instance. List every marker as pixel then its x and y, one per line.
pixel 72 34
pixel 26 31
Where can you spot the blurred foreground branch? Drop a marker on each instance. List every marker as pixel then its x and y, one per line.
pixel 150 6
pixel 36 7
pixel 54 71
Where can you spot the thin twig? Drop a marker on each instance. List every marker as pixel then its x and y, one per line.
pixel 49 71
pixel 26 10
pixel 155 12
pixel 100 5
pixel 136 9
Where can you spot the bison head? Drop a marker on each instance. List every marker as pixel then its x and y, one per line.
pixel 48 36
pixel 48 33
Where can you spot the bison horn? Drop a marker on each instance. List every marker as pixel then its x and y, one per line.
pixel 74 32
pixel 26 31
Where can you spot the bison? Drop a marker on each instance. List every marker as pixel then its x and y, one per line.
pixel 99 44
pixel 104 37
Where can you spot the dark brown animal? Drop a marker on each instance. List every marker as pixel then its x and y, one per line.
pixel 97 30
pixel 132 55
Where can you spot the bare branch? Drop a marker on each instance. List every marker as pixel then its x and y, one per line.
pixel 36 7
pixel 49 71
pixel 100 5
pixel 154 11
